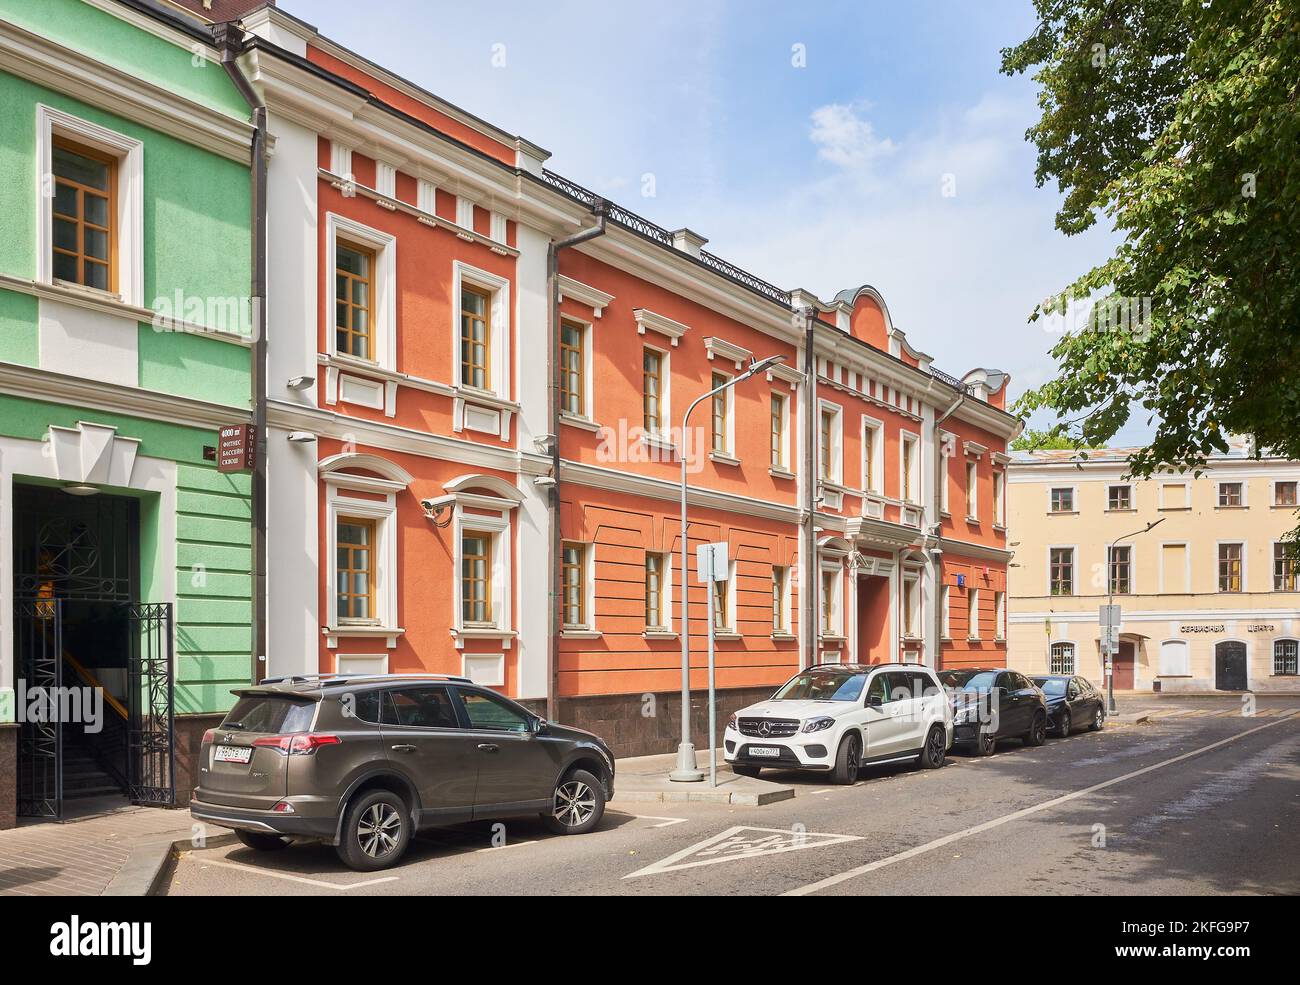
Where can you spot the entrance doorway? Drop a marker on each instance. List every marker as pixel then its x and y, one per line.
pixel 93 664
pixel 873 620
pixel 1230 666
pixel 1123 669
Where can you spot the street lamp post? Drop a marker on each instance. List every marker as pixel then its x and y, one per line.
pixel 686 769
pixel 1110 603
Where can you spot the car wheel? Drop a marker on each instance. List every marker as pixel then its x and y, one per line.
pixel 578 804
pixel 262 842
pixel 847 761
pixel 376 831
pixel 986 744
pixel 749 771
pixel 1037 733
pixel 1098 719
pixel 1066 726
pixel 933 754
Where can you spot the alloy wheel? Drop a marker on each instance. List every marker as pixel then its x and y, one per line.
pixel 378 830
pixel 855 759
pixel 574 803
pixel 936 746
pixel 1098 718
pixel 1066 724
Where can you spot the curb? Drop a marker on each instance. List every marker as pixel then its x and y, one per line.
pixel 707 795
pixel 146 869
pixel 1130 718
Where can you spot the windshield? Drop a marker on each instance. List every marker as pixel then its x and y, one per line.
pixel 968 680
pixel 823 685
pixel 269 713
pixel 1051 685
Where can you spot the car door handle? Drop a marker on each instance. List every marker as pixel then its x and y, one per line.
pixel 488 747
pixel 404 748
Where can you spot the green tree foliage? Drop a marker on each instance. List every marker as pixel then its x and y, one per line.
pixel 1032 440
pixel 1179 120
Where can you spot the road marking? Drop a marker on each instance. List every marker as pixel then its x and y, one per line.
pixel 511 844
pixel 1015 815
pixel 739 843
pixel 292 878
pixel 668 822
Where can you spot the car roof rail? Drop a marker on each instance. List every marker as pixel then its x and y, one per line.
pixel 344 678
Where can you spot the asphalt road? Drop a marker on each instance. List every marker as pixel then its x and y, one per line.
pixel 1199 801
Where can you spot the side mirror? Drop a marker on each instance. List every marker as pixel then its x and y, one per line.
pixel 875 701
pixel 540 726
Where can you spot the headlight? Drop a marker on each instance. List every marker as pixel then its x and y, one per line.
pixel 818 724
pixel 731 724
pixel 963 714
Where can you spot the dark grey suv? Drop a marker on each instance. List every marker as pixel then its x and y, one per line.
pixel 362 763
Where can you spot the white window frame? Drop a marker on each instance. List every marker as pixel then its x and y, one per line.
pixel 972 613
pixel 876 428
pixel 1074 500
pixel 728 450
pixel 1218 493
pixel 1132 567
pixel 905 438
pixel 1187 566
pixel 786 595
pixel 786 466
pixel 384 514
pixel 502 579
pixel 999 498
pixel 1272 568
pixel 498 289
pixel 1273 484
pixel 834 474
pixel 911 613
pixel 1074 655
pixel 946 601
pixel 665 623
pixel 1131 493
pixel 834 605
pixel 128 203
pixel 1000 615
pixel 383 283
pixel 1187 492
pixel 729 629
pixel 663 436
pixel 972 490
pixel 1245 557
pixel 1074 569
pixel 585 412
pixel 588 588
pixel 1185 667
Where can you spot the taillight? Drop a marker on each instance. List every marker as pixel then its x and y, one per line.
pixel 302 744
pixel 209 735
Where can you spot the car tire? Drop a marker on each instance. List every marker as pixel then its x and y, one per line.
pixel 578 804
pixel 847 761
pixel 935 749
pixel 986 744
pixel 1098 719
pixel 259 842
pixel 748 771
pixel 1037 733
pixel 376 831
pixel 1066 726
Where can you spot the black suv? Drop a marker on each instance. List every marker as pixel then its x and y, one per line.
pixel 991 703
pixel 362 763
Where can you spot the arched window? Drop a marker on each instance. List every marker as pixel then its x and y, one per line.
pixel 1062 658
pixel 1173 658
pixel 1284 657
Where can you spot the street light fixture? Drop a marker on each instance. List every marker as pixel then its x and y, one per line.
pixel 1110 602
pixel 687 770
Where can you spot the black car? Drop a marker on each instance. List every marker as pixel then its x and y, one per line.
pixel 990 704
pixel 362 763
pixel 1072 701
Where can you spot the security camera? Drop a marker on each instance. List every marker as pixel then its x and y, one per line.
pixel 301 437
pixel 427 505
pixel 544 481
pixel 300 382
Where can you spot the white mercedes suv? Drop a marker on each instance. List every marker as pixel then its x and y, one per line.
pixel 840 718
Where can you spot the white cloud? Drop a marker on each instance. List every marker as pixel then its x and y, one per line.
pixel 845 138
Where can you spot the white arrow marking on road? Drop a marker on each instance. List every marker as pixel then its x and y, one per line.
pixel 668 822
pixel 1016 815
pixel 739 843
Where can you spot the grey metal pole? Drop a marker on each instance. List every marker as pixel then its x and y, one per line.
pixel 713 722
pixel 1111 707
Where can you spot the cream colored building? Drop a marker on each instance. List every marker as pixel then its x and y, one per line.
pixel 1208 597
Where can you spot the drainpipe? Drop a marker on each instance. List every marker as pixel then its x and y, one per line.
pixel 937 554
pixel 811 581
pixel 229 38
pixel 553 491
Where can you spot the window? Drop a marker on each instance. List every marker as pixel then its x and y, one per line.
pixel 573 584
pixel 830 589
pixel 972 490
pixel 475 337
pixel 1173 568
pixel 355 569
pixel 656 569
pixel 85 203
pixel 779 578
pixel 720 609
pixel 947 612
pixel 828 471
pixel 1062 500
pixel 487 711
pixel 1284 568
pixel 1173 496
pixel 1119 498
pixel 1000 615
pixel 1121 569
pixel 652 362
pixel 973 613
pixel 719 419
pixel 873 452
pixel 1230 494
pixel 911 608
pixel 475 577
pixel 573 365
pixel 1062 658
pixel 1230 567
pixel 354 292
pixel 1284 657
pixel 419 707
pixel 1061 571
pixel 908 464
pixel 1173 658
pixel 1000 499
pixel 1284 494
pixel 778 431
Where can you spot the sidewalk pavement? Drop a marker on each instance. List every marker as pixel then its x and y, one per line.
pixel 644 779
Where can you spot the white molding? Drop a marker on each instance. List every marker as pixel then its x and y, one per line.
pixel 647 320
pixel 383 283
pixel 498 289
pixel 384 620
pixel 720 348
pixel 584 294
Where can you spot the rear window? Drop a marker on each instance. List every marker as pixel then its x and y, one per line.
pixel 269 713
pixel 968 680
pixel 1050 685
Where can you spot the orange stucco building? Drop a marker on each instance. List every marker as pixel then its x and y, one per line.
pixel 475 442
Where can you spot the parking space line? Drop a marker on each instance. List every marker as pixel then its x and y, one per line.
pixel 1017 815
pixel 292 878
pixel 511 844
pixel 668 822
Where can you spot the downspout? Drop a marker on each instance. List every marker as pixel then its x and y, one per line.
pixel 553 249
pixel 936 555
pixel 811 583
pixel 229 38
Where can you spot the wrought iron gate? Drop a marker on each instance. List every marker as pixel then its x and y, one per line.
pixel 151 747
pixel 38 652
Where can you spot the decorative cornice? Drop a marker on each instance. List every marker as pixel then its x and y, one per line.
pixel 727 351
pixel 575 290
pixel 649 320
pixel 786 374
pixel 595 477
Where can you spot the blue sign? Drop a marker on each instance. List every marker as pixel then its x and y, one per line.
pixel 961 581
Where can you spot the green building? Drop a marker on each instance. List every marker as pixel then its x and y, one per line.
pixel 125 272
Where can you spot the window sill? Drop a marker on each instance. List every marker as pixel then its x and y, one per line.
pixel 1284 506
pixel 779 473
pixel 783 637
pixel 1221 506
pixel 1000 527
pixel 586 423
pixel 1117 510
pixel 580 633
pixel 1062 512
pixel 345 631
pixel 1174 509
pixel 722 458
pixel 726 634
pixel 833 638
pixel 659 634
pixel 461 634
pixel 486 398
pixel 973 521
pixel 658 442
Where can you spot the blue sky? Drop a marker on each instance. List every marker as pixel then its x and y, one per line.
pixel 823 176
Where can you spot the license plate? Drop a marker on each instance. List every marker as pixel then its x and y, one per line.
pixel 233 754
pixel 769 752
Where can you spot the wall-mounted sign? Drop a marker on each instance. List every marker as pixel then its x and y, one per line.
pixel 236 448
pixel 1261 627
pixel 961 581
pixel 1216 628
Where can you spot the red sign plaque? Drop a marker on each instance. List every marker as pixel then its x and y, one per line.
pixel 236 448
